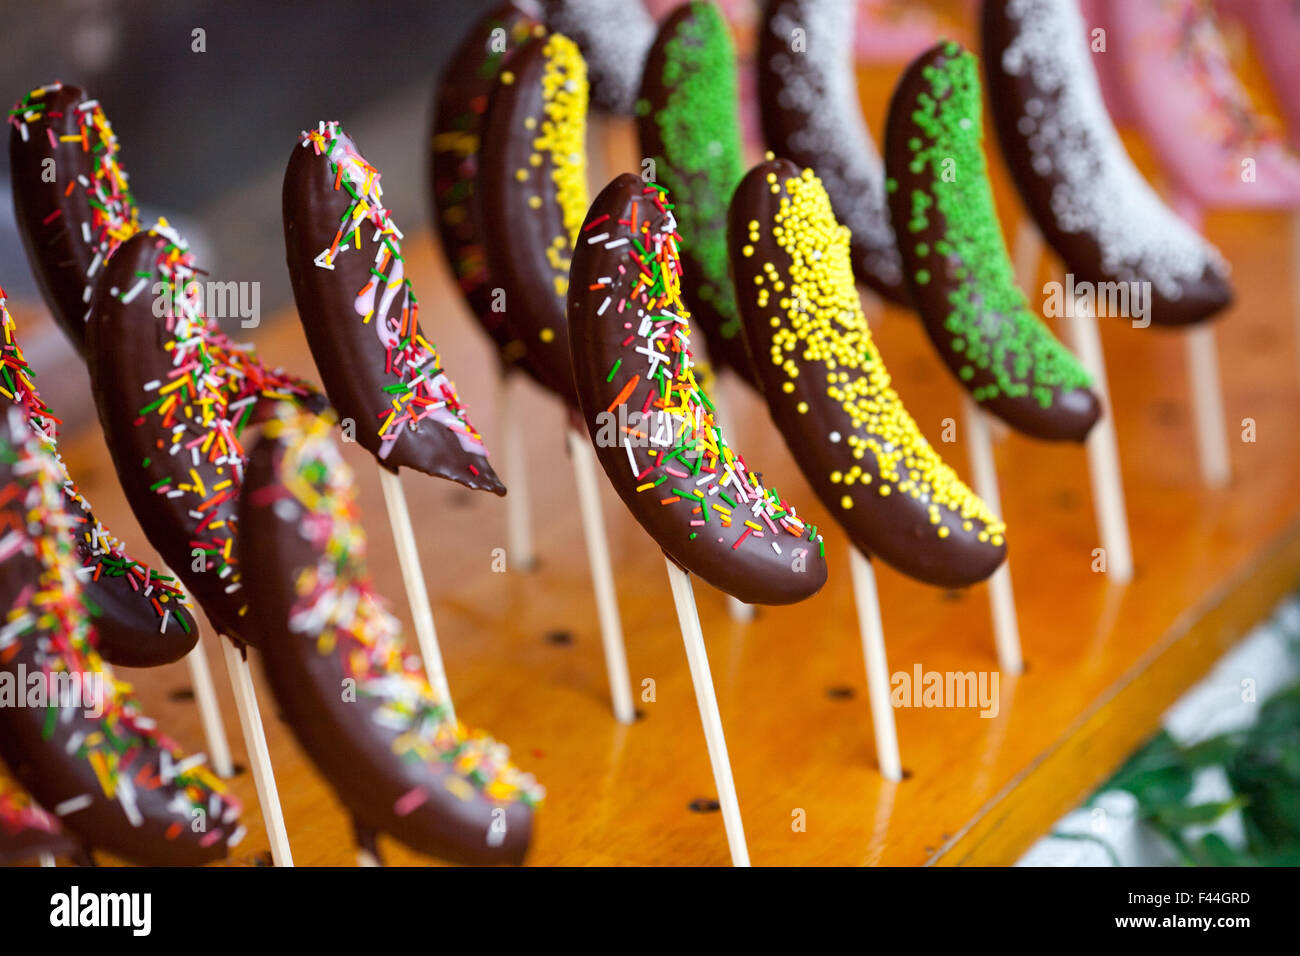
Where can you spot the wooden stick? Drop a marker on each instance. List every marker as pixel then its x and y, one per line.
pixel 1207 405
pixel 602 576
pixel 697 657
pixel 514 472
pixel 408 556
pixel 1006 626
pixel 873 652
pixel 739 611
pixel 1028 250
pixel 1103 449
pixel 259 755
pixel 205 695
pixel 1203 381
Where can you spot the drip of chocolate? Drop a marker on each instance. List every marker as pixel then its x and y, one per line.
pixel 653 425
pixel 533 187
pixel 955 260
pixel 459 108
pixel 689 127
pixel 1073 173
pixel 830 394
pixel 175 398
pixel 808 91
pixel 71 199
pixel 357 704
pixel 81 747
pixel 361 318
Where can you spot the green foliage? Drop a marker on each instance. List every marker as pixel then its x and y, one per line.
pixel 1262 764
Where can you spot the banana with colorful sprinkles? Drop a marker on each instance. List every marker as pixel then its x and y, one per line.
pixel 174 396
pixel 142 617
pixel 956 262
pixel 653 425
pixel 73 221
pixel 86 752
pixel 830 394
pixel 358 309
pixel 397 759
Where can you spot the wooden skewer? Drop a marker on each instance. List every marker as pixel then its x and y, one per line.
pixel 514 472
pixel 417 595
pixel 1103 450
pixel 205 695
pixel 1006 626
pixel 873 652
pixel 1207 405
pixel 1203 382
pixel 1028 249
pixel 602 576
pixel 259 755
pixel 697 657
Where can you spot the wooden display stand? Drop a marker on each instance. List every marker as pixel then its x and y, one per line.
pixel 1103 659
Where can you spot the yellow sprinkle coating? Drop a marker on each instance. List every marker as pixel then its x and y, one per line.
pixel 821 323
pixel 562 141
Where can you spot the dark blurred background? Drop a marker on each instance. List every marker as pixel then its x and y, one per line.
pixel 205 136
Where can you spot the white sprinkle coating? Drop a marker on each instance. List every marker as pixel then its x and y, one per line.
pixel 1101 192
pixel 615 37
pixel 850 167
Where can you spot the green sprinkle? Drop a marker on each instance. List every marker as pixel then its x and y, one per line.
pixel 1019 354
pixel 701 161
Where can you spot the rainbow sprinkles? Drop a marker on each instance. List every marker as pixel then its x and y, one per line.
pixel 673 443
pixel 209 397
pixel 102 554
pixel 420 389
pixel 119 745
pixel 338 611
pixel 113 214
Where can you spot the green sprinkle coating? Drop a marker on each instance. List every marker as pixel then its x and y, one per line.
pixel 1021 353
pixel 701 163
